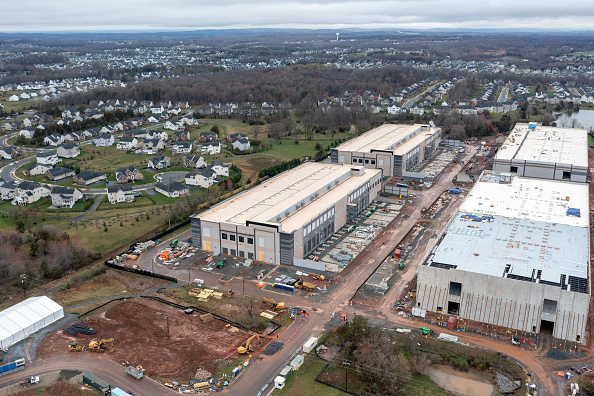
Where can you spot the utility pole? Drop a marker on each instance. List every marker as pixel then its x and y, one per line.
pixel 23 276
pixel 243 286
pixel 167 326
pixel 346 377
pixel 169 217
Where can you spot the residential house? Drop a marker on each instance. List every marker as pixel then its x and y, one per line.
pixel 165 103
pixel 88 177
pixel 417 110
pixel 157 109
pixel 153 119
pixel 13 126
pixel 181 147
pixel 205 110
pixel 127 174
pixel 180 136
pixel 103 140
pixel 161 135
pixel 53 140
pixel 138 134
pixel 9 152
pixel 28 192
pixel 127 143
pixel 47 157
pixel 91 132
pixel 73 136
pixel 466 110
pixel 219 168
pixel 152 145
pixel 159 162
pixel 116 194
pixel 7 189
pixel 173 189
pixel 208 137
pixel 68 150
pixel 394 109
pixel 231 138
pixel 14 98
pixel 109 129
pixel 205 178
pixel 64 197
pixel 182 104
pixel 193 161
pixel 37 169
pixel 70 112
pixel 211 148
pixel 189 120
pixel 59 173
pixel 241 144
pixel 175 125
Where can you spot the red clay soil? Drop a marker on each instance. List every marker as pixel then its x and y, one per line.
pixel 139 328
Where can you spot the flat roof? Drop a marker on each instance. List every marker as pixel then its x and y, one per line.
pixel 507 194
pixel 546 144
pixel 303 192
pixel 385 137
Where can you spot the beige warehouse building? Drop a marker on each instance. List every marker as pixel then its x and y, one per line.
pixel 284 219
pixel 395 149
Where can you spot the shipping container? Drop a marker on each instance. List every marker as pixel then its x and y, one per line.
pixel 97 383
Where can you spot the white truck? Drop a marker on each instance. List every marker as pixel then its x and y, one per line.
pixel 31 380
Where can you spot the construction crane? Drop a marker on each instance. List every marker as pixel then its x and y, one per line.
pixel 99 346
pixel 279 305
pixel 74 347
pixel 245 348
pixel 485 118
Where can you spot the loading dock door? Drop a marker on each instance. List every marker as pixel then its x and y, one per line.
pixel 207 246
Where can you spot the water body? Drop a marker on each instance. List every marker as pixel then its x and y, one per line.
pixel 584 119
pixel 462 383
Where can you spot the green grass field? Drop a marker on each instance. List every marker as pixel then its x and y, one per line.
pixel 590 140
pixel 139 202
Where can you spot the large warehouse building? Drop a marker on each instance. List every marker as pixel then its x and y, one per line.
pixel 516 254
pixel 286 218
pixel 395 149
pixel 21 320
pixel 544 152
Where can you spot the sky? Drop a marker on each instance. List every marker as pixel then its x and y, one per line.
pixel 159 15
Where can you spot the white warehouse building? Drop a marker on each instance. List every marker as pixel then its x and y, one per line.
pixel 516 255
pixel 544 152
pixel 286 218
pixel 394 148
pixel 25 318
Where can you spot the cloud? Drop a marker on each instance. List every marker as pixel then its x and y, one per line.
pixel 37 15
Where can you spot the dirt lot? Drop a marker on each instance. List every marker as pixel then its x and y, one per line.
pixel 140 329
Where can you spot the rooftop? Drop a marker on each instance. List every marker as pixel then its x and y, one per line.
pixel 385 137
pixel 546 144
pixel 291 198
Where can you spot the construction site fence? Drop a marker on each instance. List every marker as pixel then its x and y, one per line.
pixel 200 310
pixel 101 306
pixel 331 385
pixel 166 232
pixel 140 271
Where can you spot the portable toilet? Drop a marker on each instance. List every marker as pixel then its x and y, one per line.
pixel 297 362
pixel 310 344
pixel 279 382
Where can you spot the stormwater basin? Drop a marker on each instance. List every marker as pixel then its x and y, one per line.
pixel 461 383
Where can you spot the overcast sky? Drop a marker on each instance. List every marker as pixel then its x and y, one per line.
pixel 106 15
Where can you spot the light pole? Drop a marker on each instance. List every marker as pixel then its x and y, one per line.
pixel 23 276
pixel 169 217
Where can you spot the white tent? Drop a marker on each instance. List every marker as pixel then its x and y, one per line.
pixel 27 317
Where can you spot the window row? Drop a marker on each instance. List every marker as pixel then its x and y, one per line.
pixel 233 252
pixel 241 238
pixel 366 161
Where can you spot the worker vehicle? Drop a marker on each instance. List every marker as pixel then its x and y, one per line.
pixel 343 317
pixel 401 265
pixel 519 341
pixel 245 348
pixel 424 331
pixel 30 380
pixel 275 305
pixel 74 347
pixel 306 286
pixel 174 243
pixel 221 263
pixel 230 293
pixel 99 346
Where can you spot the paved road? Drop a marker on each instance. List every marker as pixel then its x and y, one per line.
pixel 413 100
pixel 503 94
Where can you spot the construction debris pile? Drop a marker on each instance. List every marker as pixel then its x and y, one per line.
pixel 141 247
pixel 175 253
pixel 80 328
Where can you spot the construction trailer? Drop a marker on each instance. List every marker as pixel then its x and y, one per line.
pixel 95 382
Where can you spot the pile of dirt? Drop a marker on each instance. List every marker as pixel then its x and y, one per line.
pixel 165 341
pixel 201 373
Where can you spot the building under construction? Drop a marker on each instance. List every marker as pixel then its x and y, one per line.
pixel 393 148
pixel 516 255
pixel 286 218
pixel 544 152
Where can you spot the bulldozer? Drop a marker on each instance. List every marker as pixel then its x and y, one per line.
pixel 231 293
pixel 99 346
pixel 275 305
pixel 74 347
pixel 245 348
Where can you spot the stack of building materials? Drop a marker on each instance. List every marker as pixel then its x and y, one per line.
pixel 80 328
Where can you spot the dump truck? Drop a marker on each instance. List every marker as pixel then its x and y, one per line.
pixel 305 285
pixel 30 380
pixel 74 347
pixel 275 305
pixel 136 372
pixel 245 348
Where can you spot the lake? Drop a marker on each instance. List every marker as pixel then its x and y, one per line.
pixel 584 118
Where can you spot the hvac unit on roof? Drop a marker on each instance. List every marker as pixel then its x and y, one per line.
pixel 278 218
pixel 287 213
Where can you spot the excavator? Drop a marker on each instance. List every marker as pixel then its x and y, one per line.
pixel 275 305
pixel 245 348
pixel 99 346
pixel 74 347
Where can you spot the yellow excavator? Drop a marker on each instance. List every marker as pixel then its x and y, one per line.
pixel 245 348
pixel 276 305
pixel 99 346
pixel 74 347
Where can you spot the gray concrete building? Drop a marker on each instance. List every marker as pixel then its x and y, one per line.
pixel 286 218
pixel 545 152
pixel 391 147
pixel 516 255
